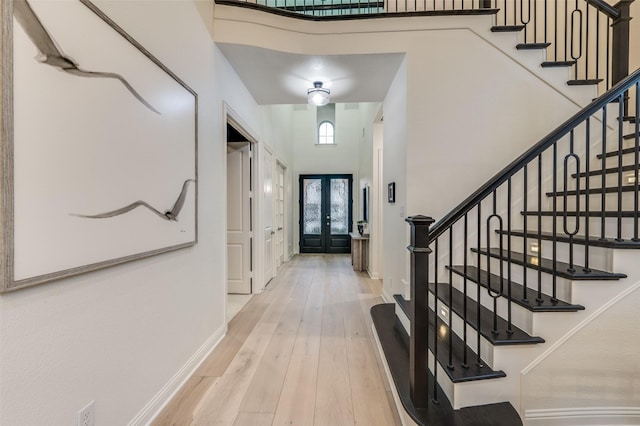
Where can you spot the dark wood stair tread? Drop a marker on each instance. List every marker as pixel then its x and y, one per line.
pixel 550 64
pixel 506 28
pixel 545 304
pixel 546 265
pixel 502 337
pixel 594 213
pixel 631 136
pixel 532 46
pixel 608 170
pixel 594 241
pixel 458 373
pixel 608 190
pixel 585 82
pixel 617 152
pixel 394 341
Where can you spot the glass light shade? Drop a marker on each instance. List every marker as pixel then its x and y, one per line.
pixel 318 95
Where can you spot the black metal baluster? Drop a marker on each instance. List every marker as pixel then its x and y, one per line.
pixel 609 64
pixel 620 148
pixel 509 322
pixel 636 162
pixel 479 260
pixel 576 14
pixel 565 220
pixel 492 294
pixel 525 296
pixel 597 43
pixel 555 221
pixel 587 185
pixel 450 365
pixel 555 33
pixel 435 325
pixel 603 180
pixel 465 363
pixel 586 42
pixel 539 297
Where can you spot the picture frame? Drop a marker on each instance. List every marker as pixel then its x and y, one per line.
pixel 391 192
pixel 99 146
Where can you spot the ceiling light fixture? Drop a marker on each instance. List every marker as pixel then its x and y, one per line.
pixel 318 95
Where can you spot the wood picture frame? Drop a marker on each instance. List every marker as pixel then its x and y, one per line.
pixel 99 146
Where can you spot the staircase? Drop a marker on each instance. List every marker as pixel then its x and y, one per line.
pixel 498 283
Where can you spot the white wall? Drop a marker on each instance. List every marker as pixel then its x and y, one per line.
pixel 119 335
pixel 278 122
pixel 601 388
pixel 395 170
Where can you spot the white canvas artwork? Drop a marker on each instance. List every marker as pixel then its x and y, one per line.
pixel 104 146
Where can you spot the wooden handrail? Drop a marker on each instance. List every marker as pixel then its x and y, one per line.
pixel 605 8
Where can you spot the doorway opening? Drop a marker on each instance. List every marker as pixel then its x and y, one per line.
pixel 326 205
pixel 240 205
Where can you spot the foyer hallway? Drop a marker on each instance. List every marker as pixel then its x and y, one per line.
pixel 301 353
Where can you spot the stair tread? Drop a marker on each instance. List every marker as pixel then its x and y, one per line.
pixel 532 46
pixel 546 265
pixel 631 136
pixel 506 28
pixel 394 341
pixel 608 190
pixel 584 82
pixel 458 373
pixel 598 172
pixel 617 152
pixel 549 64
pixel 545 304
pixel 577 239
pixel 629 118
pixel 592 213
pixel 501 337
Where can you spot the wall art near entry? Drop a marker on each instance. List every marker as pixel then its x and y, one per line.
pixel 99 145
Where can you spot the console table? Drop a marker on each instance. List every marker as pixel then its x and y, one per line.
pixel 359 251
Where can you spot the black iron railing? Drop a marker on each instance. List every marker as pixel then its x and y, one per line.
pixel 577 188
pixel 589 35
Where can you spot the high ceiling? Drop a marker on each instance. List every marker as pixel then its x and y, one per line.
pixel 283 78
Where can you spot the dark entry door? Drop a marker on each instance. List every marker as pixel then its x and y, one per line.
pixel 325 213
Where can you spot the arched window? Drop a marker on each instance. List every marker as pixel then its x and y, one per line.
pixel 325 133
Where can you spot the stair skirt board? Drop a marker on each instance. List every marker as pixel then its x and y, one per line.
pixel 393 344
pixel 583 416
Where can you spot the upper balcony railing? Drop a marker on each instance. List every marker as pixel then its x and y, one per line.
pixel 591 36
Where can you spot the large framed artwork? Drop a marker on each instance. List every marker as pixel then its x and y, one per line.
pixel 99 145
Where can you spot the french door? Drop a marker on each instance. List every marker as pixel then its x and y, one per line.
pixel 325 213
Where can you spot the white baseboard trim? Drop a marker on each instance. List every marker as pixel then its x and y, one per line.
pixel 171 388
pixel 577 416
pixel 388 298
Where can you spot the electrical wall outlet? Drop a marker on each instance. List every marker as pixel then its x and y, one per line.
pixel 87 416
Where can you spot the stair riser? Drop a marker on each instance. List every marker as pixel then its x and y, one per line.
pixel 487 350
pixel 521 317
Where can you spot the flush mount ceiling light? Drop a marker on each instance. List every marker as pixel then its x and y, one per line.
pixel 318 95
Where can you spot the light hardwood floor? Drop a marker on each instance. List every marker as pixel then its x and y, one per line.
pixel 301 353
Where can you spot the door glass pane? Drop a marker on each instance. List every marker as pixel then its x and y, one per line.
pixel 312 206
pixel 339 206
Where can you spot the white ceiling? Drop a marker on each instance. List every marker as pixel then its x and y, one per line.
pixel 283 78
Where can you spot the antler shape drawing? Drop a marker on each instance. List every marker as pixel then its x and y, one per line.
pixel 50 54
pixel 171 215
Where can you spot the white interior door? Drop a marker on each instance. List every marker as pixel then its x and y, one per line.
pixel 238 219
pixel 279 211
pixel 269 228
